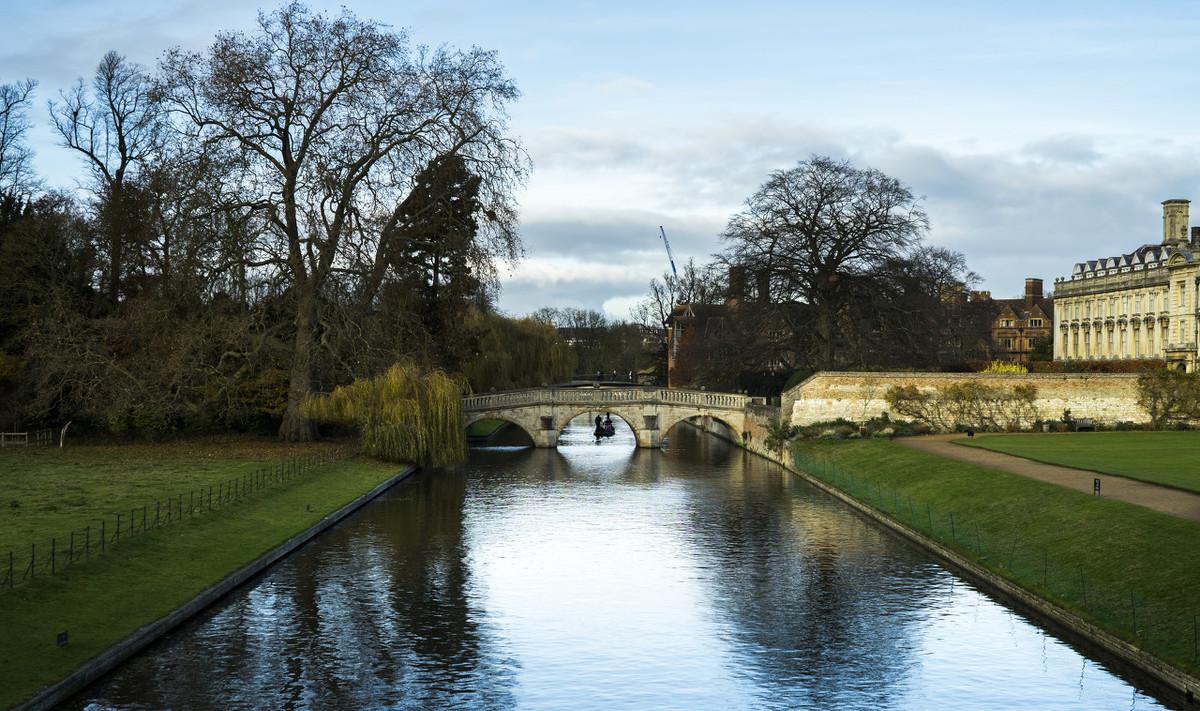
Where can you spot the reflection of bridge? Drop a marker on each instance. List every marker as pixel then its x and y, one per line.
pixel 650 411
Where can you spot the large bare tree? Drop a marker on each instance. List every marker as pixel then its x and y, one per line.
pixel 116 127
pixel 332 117
pixel 16 174
pixel 814 227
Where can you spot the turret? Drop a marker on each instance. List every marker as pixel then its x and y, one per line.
pixel 1175 222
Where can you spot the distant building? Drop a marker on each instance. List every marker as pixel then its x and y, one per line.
pixel 1019 322
pixel 1140 305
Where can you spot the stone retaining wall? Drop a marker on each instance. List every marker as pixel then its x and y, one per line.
pixel 1104 397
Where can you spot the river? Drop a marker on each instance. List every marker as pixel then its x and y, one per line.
pixel 607 577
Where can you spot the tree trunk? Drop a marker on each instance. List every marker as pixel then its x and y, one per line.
pixel 824 335
pixel 295 428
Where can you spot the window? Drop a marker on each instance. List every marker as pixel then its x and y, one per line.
pixel 1035 323
pixel 1006 323
pixel 1006 343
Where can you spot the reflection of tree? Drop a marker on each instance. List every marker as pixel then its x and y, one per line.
pixel 819 612
pixel 377 612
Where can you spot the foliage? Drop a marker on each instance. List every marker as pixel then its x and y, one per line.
pixel 796 378
pixel 1041 349
pixel 407 414
pixel 516 353
pixel 966 404
pixel 1169 396
pixel 780 435
pixel 335 130
pixel 289 209
pixel 1005 368
pixel 1096 366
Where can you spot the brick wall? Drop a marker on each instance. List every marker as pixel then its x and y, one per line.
pixel 1107 398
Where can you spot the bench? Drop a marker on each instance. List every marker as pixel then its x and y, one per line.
pixel 1085 424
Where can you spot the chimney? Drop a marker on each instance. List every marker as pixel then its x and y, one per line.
pixel 1033 291
pixel 1196 238
pixel 1175 222
pixel 737 285
pixel 764 286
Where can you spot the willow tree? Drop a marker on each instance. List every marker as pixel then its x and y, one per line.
pixel 331 119
pixel 406 414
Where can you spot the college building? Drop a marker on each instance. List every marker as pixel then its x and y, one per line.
pixel 1140 305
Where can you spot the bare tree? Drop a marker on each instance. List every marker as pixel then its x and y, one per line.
pixel 332 118
pixel 16 174
pixel 814 226
pixel 116 127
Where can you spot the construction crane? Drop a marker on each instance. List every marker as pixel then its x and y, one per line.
pixel 670 256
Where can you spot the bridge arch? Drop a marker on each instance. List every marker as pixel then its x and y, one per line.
pixel 615 411
pixel 676 418
pixel 472 418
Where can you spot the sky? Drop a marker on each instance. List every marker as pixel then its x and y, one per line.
pixel 1037 134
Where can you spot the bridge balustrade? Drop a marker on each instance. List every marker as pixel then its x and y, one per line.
pixel 595 396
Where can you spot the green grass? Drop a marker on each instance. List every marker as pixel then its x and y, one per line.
pixel 485 428
pixel 105 598
pixel 1158 457
pixel 1133 571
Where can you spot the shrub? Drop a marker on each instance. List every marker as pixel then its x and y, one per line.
pixel 1005 368
pixel 966 405
pixel 1169 396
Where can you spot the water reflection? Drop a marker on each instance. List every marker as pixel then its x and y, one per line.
pixel 606 576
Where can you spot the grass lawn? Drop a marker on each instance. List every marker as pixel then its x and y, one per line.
pixel 1171 458
pixel 105 598
pixel 1134 571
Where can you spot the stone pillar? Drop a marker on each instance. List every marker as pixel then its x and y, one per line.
pixel 545 439
pixel 648 438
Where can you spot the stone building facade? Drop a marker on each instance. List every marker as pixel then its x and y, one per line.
pixel 1020 322
pixel 1140 305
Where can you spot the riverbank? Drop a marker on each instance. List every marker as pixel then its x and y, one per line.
pixel 106 599
pixel 1131 573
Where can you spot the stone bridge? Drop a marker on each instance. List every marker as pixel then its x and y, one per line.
pixel 650 411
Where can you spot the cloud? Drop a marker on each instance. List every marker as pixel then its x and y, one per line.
pixel 1033 209
pixel 1068 150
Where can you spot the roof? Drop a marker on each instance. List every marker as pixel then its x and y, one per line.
pixel 1148 256
pixel 1039 308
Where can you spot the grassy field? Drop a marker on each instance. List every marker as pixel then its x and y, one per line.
pixel 1158 457
pixel 1133 571
pixel 105 598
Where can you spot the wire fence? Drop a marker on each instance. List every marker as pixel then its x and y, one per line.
pixel 1167 624
pixel 54 556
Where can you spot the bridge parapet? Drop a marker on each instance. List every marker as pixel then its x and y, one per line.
pixel 603 396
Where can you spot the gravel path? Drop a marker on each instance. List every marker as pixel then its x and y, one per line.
pixel 1160 498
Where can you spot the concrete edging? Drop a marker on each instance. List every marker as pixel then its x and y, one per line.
pixel 1186 686
pixel 147 634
